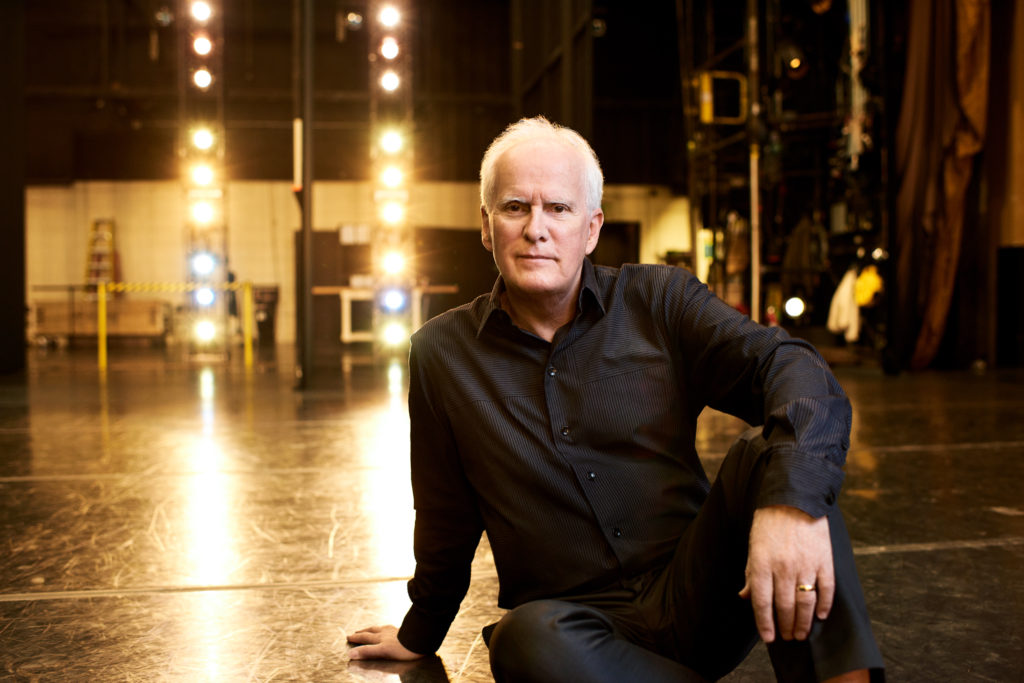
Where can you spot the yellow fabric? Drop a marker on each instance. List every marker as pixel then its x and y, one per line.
pixel 869 283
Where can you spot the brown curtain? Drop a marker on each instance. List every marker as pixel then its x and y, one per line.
pixel 941 128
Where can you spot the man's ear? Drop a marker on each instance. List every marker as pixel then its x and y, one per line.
pixel 485 229
pixel 596 221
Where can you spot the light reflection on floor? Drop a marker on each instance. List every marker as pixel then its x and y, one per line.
pixel 180 522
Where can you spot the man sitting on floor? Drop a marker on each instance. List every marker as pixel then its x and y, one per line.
pixel 558 413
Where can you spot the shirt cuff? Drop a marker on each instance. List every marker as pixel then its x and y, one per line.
pixel 807 482
pixel 421 633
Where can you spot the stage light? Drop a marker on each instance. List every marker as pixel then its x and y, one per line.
pixel 395 334
pixel 389 48
pixel 793 60
pixel 201 11
pixel 202 78
pixel 202 45
pixel 795 307
pixel 205 331
pixel 203 263
pixel 391 142
pixel 391 176
pixel 202 138
pixel 202 174
pixel 389 81
pixel 204 296
pixel 390 16
pixel 354 20
pixel 392 212
pixel 393 263
pixel 393 300
pixel 203 212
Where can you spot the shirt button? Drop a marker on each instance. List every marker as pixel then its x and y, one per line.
pixel 565 431
pixel 552 372
pixel 591 476
pixel 617 532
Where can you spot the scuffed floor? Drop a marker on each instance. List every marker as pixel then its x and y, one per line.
pixel 186 521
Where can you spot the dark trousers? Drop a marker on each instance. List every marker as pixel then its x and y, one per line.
pixel 685 621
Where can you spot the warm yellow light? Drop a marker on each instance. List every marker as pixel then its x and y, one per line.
pixel 391 142
pixel 201 11
pixel 202 78
pixel 202 174
pixel 389 81
pixel 202 213
pixel 395 334
pixel 795 63
pixel 795 307
pixel 202 45
pixel 389 16
pixel 389 48
pixel 392 212
pixel 205 330
pixel 391 176
pixel 394 263
pixel 202 138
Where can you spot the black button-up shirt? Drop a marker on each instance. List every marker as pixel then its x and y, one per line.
pixel 577 456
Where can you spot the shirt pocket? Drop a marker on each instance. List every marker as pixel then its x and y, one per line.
pixel 633 409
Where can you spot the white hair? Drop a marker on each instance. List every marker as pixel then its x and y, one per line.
pixel 538 128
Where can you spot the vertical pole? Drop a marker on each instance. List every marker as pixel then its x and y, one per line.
pixel 13 356
pixel 247 316
pixel 306 361
pixel 754 82
pixel 101 325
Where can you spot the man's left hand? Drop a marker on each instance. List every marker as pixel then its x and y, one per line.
pixel 789 568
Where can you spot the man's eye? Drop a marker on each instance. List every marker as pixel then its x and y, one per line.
pixel 514 207
pixel 560 208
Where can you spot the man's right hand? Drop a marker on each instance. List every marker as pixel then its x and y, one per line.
pixel 379 642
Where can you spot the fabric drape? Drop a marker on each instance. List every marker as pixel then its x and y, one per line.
pixel 941 129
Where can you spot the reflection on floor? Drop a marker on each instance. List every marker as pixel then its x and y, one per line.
pixel 189 521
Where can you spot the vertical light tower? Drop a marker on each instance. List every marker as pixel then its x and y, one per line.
pixel 201 153
pixel 391 156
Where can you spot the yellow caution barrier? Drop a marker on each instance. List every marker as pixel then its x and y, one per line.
pixel 103 288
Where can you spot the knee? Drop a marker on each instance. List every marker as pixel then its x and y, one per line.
pixel 531 642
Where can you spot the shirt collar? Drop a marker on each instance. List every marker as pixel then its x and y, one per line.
pixel 589 296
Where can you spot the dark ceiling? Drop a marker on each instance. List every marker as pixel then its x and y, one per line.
pixel 103 98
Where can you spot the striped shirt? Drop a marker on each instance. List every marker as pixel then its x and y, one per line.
pixel 577 455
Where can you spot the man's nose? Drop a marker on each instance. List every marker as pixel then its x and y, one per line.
pixel 535 229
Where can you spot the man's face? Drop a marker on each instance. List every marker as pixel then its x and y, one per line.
pixel 540 228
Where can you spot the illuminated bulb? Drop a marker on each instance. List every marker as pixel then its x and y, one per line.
pixel 392 212
pixel 394 263
pixel 389 48
pixel 391 176
pixel 205 330
pixel 389 16
pixel 394 300
pixel 395 334
pixel 202 45
pixel 795 307
pixel 202 78
pixel 202 138
pixel 202 212
pixel 203 264
pixel 794 63
pixel 391 142
pixel 204 296
pixel 201 11
pixel 202 174
pixel 389 81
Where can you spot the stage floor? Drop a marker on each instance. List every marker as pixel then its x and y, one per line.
pixel 186 520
